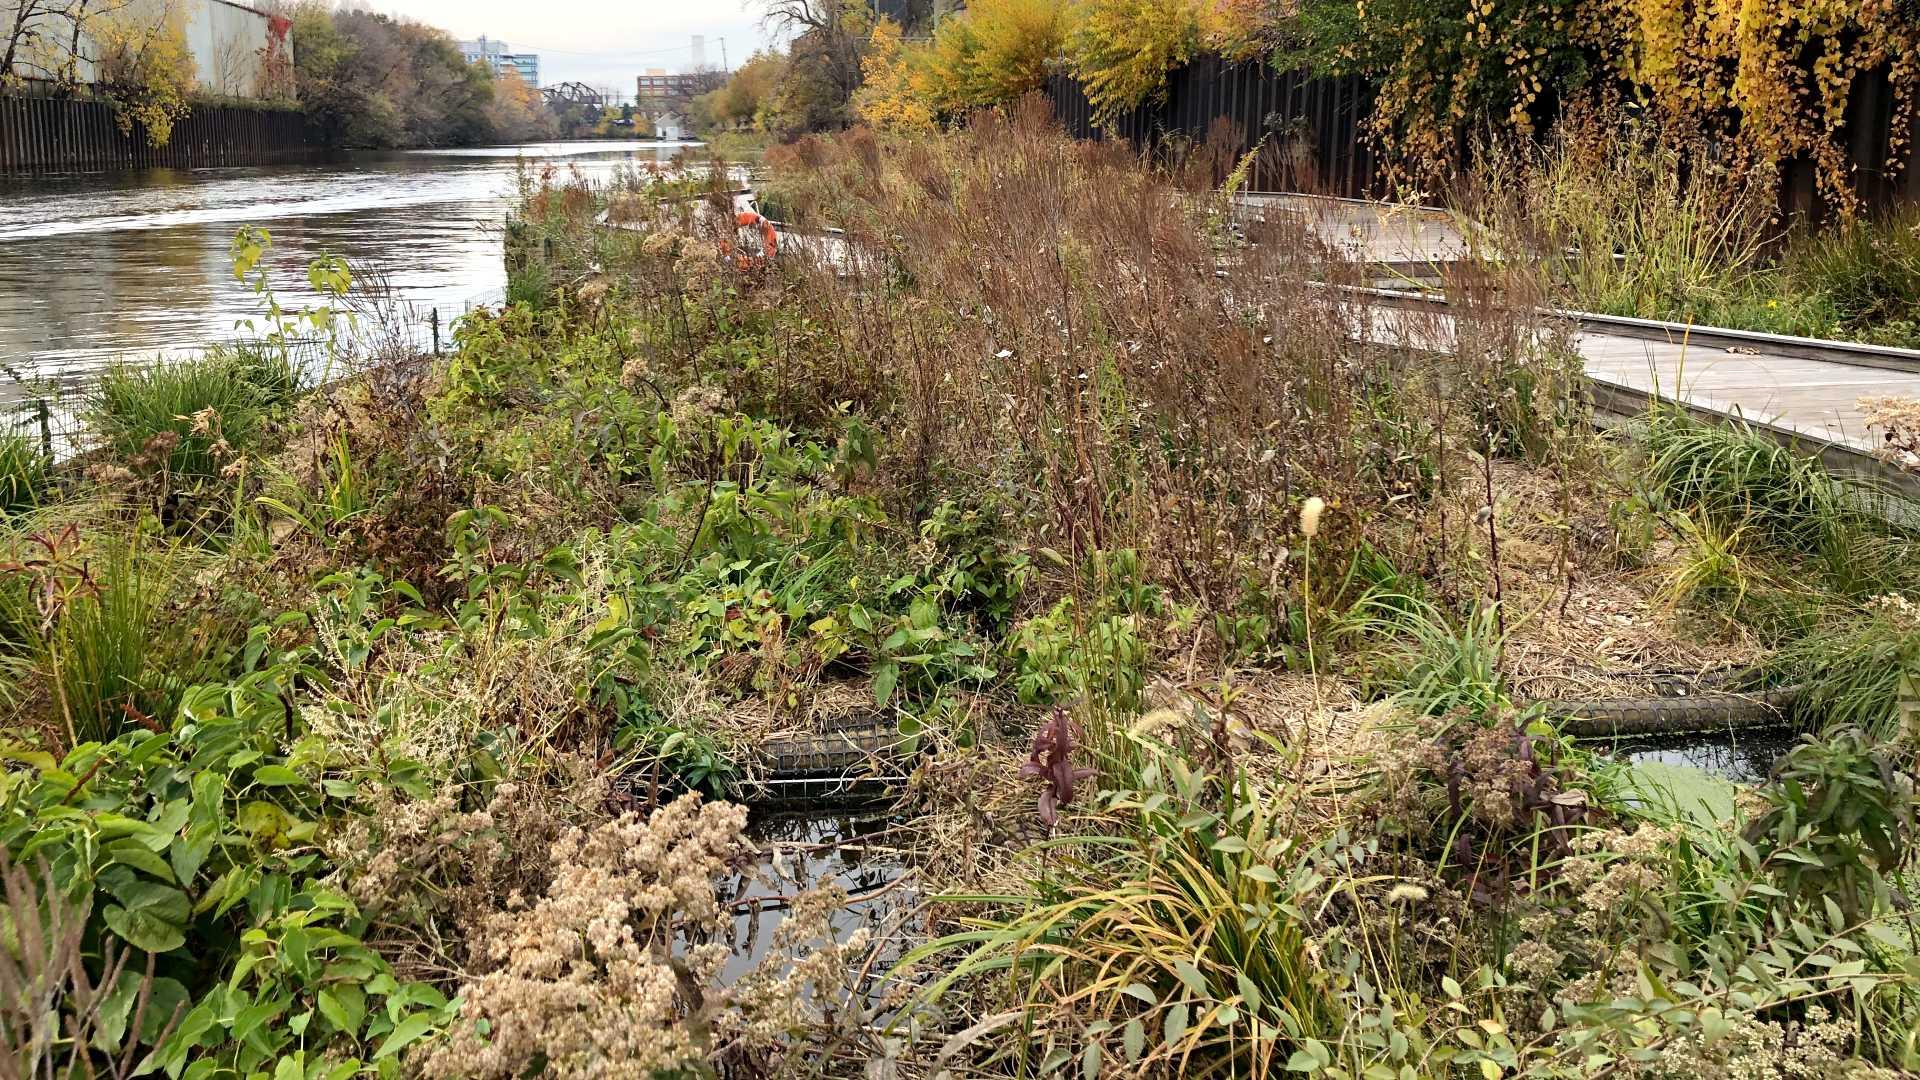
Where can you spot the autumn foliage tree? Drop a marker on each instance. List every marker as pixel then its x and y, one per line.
pixel 370 80
pixel 1753 85
pixel 142 64
pixel 992 52
pixel 517 112
pixel 738 102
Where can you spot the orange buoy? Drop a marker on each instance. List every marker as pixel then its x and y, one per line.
pixel 769 239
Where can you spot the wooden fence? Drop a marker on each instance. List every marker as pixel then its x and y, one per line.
pixel 1315 138
pixel 79 134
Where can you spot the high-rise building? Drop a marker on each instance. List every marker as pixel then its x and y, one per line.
pixel 526 64
pixel 499 59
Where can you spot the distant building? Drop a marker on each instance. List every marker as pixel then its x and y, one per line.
pixel 499 59
pixel 526 64
pixel 485 50
pixel 657 86
pixel 669 126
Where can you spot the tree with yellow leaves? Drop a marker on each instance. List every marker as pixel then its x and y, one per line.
pixel 992 52
pixel 1123 50
pixel 898 89
pixel 144 67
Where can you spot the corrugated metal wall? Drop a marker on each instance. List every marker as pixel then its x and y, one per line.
pixel 1312 126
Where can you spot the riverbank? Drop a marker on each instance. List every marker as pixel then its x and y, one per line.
pixel 1203 627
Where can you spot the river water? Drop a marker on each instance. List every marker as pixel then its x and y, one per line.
pixel 95 269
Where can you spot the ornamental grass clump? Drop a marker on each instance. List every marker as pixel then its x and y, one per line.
pixel 189 418
pixel 101 642
pixel 1175 941
pixel 1740 478
pixel 26 474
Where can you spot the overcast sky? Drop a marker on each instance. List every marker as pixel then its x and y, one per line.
pixel 599 42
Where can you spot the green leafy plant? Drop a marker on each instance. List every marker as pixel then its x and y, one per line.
pixel 692 757
pixel 1840 820
pixel 1060 658
pixel 971 568
pixel 197 841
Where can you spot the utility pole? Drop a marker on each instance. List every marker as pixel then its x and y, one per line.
pixel 723 56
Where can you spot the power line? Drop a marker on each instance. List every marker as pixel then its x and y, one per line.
pixel 609 52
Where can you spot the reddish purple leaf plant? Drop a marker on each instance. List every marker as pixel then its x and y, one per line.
pixel 1052 761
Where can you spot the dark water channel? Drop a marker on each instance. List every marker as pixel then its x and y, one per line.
pixel 98 268
pixel 1743 756
pixel 818 848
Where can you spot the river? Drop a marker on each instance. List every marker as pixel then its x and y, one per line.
pixel 95 269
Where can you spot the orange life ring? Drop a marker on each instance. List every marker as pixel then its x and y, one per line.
pixel 769 240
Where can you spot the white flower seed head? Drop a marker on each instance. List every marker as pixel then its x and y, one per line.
pixel 1310 512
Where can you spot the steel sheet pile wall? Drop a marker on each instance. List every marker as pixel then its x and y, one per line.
pixel 1315 138
pixel 1312 126
pixel 48 134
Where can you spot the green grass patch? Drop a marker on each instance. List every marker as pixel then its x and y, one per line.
pixel 26 473
pixel 1738 478
pixel 190 416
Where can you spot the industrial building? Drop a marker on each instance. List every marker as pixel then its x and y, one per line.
pixel 237 51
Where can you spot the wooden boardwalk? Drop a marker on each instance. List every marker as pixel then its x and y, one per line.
pixel 1808 401
pixel 1398 239
pixel 1799 390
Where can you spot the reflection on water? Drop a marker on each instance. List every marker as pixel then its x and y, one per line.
pixel 1743 756
pixel 813 850
pixel 95 268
